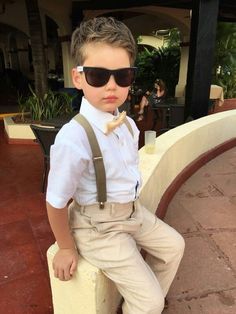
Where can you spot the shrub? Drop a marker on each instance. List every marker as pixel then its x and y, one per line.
pixel 53 105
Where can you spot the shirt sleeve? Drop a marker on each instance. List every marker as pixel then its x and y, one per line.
pixel 69 158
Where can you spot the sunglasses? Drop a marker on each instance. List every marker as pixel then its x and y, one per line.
pixel 98 77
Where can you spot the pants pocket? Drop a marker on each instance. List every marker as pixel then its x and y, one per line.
pixel 129 223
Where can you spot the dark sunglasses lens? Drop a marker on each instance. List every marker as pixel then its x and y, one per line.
pixel 125 77
pixel 96 77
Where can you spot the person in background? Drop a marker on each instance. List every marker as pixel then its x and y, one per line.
pixel 142 105
pixel 155 97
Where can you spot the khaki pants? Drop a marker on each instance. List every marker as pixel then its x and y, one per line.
pixel 110 239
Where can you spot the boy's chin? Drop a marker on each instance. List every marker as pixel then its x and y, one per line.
pixel 111 108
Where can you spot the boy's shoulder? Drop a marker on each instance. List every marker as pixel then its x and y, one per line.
pixel 132 122
pixel 71 132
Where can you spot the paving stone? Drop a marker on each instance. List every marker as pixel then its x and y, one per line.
pixel 19 261
pixel 179 218
pixel 30 295
pixel 225 183
pixel 223 302
pixel 226 241
pixel 219 166
pixel 200 187
pixel 212 212
pixel 201 271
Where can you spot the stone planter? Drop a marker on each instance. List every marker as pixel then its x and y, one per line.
pixel 18 133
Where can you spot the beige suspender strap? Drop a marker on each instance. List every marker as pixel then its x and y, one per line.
pixel 97 157
pixel 97 160
pixel 126 122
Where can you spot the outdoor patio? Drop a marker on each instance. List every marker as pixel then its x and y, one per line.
pixel 203 211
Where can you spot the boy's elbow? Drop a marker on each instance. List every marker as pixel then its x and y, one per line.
pixel 51 208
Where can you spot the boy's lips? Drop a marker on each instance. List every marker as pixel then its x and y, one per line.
pixel 110 99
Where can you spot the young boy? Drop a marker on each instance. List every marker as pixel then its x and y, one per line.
pixel 107 235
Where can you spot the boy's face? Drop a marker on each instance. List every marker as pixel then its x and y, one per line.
pixel 110 96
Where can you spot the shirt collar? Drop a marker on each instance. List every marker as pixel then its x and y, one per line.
pixel 95 116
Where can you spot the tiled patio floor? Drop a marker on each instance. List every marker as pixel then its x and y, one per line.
pixel 24 231
pixel 203 210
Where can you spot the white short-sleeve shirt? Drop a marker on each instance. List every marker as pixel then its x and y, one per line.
pixel 72 172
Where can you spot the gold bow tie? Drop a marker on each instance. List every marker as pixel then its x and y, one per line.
pixel 115 123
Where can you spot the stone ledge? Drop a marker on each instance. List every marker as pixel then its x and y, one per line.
pixel 16 132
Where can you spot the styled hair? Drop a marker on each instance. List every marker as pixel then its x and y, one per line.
pixel 106 30
pixel 161 84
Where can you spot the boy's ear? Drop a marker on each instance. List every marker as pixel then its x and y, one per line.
pixel 77 78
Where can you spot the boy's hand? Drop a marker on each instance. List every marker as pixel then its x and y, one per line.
pixel 65 263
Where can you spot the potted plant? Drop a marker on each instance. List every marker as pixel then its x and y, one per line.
pixel 53 105
pixel 33 109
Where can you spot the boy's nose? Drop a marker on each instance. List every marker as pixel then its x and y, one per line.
pixel 111 82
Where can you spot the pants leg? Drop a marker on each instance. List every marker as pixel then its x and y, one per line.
pixel 164 245
pixel 108 241
pixel 136 282
pixel 115 252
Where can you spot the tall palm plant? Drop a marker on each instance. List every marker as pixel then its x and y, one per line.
pixel 166 64
pixel 224 70
pixel 37 45
pixel 162 63
pixel 146 72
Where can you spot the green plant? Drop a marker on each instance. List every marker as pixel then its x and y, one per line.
pixel 173 39
pixel 166 64
pixel 54 104
pixel 146 73
pixel 162 63
pixel 227 79
pixel 224 69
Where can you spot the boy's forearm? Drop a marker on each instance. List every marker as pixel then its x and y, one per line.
pixel 58 219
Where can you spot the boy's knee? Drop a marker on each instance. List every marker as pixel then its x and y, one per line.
pixel 180 244
pixel 155 306
pixel 177 247
pixel 154 302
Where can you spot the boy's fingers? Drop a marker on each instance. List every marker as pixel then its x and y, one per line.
pixel 67 275
pixel 73 267
pixel 55 273
pixel 61 274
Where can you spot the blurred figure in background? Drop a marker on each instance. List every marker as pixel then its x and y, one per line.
pixel 155 97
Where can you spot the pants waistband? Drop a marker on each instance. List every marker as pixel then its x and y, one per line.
pixel 108 207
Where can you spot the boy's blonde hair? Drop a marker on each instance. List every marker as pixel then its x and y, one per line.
pixel 101 30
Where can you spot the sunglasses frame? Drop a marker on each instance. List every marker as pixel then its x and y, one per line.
pixel 80 68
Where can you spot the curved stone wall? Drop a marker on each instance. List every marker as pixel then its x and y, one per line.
pixel 180 147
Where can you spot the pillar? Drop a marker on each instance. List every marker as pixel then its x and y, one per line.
pixel 201 54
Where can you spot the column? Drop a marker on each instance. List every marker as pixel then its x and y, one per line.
pixel 201 54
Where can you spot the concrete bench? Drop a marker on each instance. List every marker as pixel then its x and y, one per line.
pixel 88 292
pixel 193 143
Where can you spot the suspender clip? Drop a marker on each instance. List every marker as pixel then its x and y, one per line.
pixel 97 158
pixel 101 205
